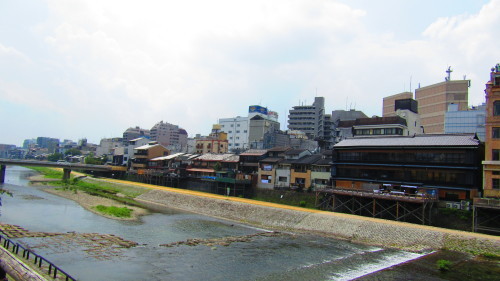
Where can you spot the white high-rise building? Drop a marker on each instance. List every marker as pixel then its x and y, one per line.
pixel 237 128
pixel 237 132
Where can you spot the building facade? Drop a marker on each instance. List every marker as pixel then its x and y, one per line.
pixel 388 103
pixel 135 133
pixel 433 102
pixel 170 136
pixel 237 132
pixel 309 118
pixel 471 121
pixel 238 128
pixel 491 163
pixel 448 163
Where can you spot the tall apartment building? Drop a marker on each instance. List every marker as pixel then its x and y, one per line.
pixel 135 133
pixel 388 103
pixel 309 118
pixel 491 164
pixel 169 135
pixel 51 144
pixel 433 102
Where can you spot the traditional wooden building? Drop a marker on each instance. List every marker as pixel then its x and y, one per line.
pixel 449 163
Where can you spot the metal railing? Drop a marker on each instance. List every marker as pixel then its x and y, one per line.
pixel 52 269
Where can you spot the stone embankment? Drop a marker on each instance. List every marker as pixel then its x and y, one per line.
pixel 354 228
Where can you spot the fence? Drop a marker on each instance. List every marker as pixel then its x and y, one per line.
pixel 41 262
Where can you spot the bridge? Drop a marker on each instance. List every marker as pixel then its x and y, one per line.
pixel 67 167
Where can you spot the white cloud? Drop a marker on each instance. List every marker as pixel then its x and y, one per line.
pixel 192 62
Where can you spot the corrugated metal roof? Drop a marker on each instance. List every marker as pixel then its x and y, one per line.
pixel 418 140
pixel 168 157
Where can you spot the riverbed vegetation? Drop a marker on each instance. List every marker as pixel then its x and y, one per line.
pixel 48 172
pixel 120 193
pixel 119 212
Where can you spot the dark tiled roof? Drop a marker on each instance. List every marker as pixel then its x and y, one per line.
pixel 295 151
pixel 373 121
pixel 323 162
pixel 309 159
pixel 279 149
pixel 418 140
pixel 271 160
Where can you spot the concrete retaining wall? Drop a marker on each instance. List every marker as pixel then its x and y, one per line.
pixel 354 228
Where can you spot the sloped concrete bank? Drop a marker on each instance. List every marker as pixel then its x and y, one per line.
pixel 354 228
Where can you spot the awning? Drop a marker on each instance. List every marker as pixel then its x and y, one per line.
pixel 201 170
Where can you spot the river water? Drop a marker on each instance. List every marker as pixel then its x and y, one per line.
pixel 282 257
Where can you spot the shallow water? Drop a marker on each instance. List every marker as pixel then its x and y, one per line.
pixel 284 257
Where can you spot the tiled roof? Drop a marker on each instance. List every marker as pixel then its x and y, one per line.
pixel 279 148
pixel 323 162
pixel 295 151
pixel 218 157
pixel 418 140
pixel 254 152
pixel 271 160
pixel 309 159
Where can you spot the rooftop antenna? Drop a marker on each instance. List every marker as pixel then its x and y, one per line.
pixel 449 71
pixel 410 83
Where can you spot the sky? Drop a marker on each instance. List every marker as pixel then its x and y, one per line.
pixel 73 69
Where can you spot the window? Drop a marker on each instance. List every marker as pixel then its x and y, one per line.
pixel 282 179
pixel 496 155
pixel 237 132
pixel 245 131
pixel 496 108
pixel 232 125
pixel 229 132
pixel 238 125
pixel 496 133
pixel 495 184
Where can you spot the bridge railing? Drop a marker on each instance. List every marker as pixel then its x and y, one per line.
pixel 41 262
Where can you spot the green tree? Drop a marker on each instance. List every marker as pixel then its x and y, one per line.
pixel 91 159
pixel 73 151
pixel 55 156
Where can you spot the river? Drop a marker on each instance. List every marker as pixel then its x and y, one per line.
pixel 81 253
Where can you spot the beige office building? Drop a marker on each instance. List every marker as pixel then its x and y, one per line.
pixel 433 102
pixel 388 107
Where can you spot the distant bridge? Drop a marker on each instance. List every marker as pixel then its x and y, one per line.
pixel 67 167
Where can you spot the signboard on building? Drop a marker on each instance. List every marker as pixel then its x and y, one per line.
pixel 257 109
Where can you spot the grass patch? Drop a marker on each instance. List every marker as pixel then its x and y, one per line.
pixel 443 265
pixel 48 172
pixel 118 212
